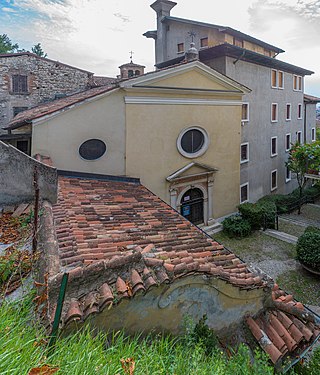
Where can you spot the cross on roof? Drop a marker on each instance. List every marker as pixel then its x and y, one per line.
pixel 192 34
pixel 131 53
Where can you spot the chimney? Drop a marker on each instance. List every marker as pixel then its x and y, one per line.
pixel 162 8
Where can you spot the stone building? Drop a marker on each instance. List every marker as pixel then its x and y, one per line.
pixel 27 80
pixel 273 112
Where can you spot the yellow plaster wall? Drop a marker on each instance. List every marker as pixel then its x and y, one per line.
pixel 193 79
pixel 152 154
pixel 61 136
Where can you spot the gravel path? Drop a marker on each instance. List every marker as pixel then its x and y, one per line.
pixel 274 268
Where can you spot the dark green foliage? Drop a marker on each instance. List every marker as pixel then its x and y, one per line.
pixel 37 49
pixel 205 336
pixel 312 229
pixel 259 214
pixel 312 367
pixel 236 226
pixel 252 213
pixel 308 248
pixel 6 45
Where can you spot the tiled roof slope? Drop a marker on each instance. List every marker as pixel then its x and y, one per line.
pixel 132 240
pixel 285 327
pixel 28 115
pixel 117 240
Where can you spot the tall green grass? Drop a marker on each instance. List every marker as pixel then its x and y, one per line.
pixel 87 353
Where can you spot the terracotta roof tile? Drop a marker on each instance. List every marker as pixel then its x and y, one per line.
pixel 288 327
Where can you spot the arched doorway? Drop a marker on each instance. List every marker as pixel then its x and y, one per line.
pixel 192 205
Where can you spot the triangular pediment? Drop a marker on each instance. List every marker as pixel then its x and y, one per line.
pixel 194 76
pixel 190 170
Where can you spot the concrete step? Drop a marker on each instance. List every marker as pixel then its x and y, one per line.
pixel 213 228
pixel 281 236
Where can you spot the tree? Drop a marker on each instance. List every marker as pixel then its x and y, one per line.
pixel 6 45
pixel 303 158
pixel 37 49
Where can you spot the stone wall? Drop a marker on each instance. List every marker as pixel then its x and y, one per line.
pixel 16 177
pixel 45 80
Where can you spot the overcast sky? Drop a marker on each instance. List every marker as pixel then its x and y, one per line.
pixel 97 35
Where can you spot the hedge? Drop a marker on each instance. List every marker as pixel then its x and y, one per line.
pixel 308 248
pixel 236 226
pixel 259 214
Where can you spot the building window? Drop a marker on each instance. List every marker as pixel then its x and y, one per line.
pixel 244 153
pixel 280 80
pixel 23 146
pixel 245 112
pixel 203 42
pixel 274 146
pixel 274 180
pixel 288 174
pixel 277 79
pixel 180 47
pixel 193 142
pixel 19 84
pixel 313 134
pixel 92 149
pixel 130 73
pixel 299 111
pixel 288 142
pixel 137 72
pixel 17 110
pixel 297 83
pixel 237 42
pixel 288 112
pixel 274 78
pixel 244 192
pixel 274 112
pixel 299 137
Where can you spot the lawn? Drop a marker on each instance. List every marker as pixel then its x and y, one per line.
pixel 257 247
pixel 289 227
pixel 23 347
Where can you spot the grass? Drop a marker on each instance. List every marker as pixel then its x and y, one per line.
pixel 85 353
pixel 257 247
pixel 290 228
pixel 304 286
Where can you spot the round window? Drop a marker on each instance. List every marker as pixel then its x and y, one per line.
pixel 92 149
pixel 192 142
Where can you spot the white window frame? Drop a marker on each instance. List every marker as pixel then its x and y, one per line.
pixel 276 86
pixel 290 111
pixel 276 187
pixel 203 148
pixel 248 112
pixel 282 86
pixel 299 79
pixel 285 145
pixel 288 179
pixel 299 133
pixel 276 104
pixel 241 186
pixel 276 153
pixel 246 160
pixel 300 110
pixel 313 135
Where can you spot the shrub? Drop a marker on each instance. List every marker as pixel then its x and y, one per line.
pixel 252 213
pixel 259 214
pixel 236 226
pixel 308 248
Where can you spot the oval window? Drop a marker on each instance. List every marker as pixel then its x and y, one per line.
pixel 192 142
pixel 92 149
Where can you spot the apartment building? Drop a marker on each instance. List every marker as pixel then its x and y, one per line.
pixel 273 113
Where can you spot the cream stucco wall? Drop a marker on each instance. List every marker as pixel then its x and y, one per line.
pixel 152 154
pixel 60 136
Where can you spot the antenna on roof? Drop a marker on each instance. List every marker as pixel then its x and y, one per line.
pixel 131 53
